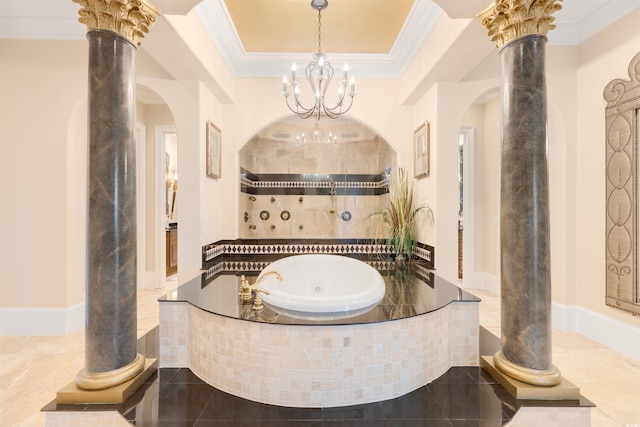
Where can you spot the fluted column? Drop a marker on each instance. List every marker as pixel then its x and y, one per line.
pixel 519 28
pixel 114 28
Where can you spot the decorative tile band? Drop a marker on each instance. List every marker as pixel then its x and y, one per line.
pixel 284 247
pixel 314 184
pixel 257 266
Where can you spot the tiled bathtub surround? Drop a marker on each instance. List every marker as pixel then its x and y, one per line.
pixel 320 365
pixel 422 327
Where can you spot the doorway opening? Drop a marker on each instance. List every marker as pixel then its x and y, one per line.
pixel 465 203
pixel 167 211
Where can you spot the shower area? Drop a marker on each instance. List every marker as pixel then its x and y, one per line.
pixel 304 179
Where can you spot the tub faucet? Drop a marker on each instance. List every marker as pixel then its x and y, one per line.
pixel 257 301
pixel 263 276
pixel 246 290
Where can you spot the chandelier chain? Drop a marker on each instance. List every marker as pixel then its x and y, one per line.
pixel 319 28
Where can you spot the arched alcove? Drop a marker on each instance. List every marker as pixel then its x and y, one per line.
pixel 151 248
pixel 482 117
pixel 301 179
pixel 157 166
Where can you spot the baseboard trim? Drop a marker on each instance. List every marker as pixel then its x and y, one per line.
pixel 485 281
pixel 604 330
pixel 611 333
pixel 151 280
pixel 47 321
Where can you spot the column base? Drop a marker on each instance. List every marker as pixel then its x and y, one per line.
pixel 537 377
pixel 72 394
pixel 564 390
pixel 99 380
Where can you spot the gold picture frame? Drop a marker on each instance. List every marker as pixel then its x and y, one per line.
pixel 421 148
pixel 214 150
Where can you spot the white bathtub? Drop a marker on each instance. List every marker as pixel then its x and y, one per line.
pixel 322 284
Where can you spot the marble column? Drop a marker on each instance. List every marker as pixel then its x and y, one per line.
pixel 114 27
pixel 519 28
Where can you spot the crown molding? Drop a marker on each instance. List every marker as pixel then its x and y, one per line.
pixel 58 20
pixel 574 33
pixel 217 21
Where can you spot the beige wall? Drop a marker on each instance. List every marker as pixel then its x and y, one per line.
pixel 40 85
pixel 601 59
pixel 43 114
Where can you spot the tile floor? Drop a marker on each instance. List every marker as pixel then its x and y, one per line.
pixel 33 369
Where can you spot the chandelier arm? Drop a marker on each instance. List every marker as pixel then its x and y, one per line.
pixel 341 97
pixel 304 113
pixel 297 101
pixel 333 114
pixel 308 71
pixel 297 107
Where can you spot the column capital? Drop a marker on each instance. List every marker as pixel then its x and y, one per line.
pixel 508 20
pixel 129 18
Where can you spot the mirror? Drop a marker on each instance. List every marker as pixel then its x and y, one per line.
pixel 622 198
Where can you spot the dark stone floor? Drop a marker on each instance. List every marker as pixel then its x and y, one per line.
pixel 462 397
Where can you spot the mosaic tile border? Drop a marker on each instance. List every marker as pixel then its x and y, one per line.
pixel 258 266
pixel 422 252
pixel 314 184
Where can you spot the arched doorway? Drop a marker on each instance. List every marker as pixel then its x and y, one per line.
pixel 479 186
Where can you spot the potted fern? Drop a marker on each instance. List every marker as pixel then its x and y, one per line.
pixel 398 221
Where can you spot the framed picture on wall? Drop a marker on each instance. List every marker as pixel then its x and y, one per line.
pixel 421 151
pixel 214 150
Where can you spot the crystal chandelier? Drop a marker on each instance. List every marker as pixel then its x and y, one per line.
pixel 319 73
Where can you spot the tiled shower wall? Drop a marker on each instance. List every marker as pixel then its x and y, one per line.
pixel 304 206
pixel 312 190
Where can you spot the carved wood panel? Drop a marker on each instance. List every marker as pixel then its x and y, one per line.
pixel 621 116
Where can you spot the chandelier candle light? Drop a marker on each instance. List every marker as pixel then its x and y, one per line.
pixel 319 72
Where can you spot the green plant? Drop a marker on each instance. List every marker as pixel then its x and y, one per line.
pixel 398 221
